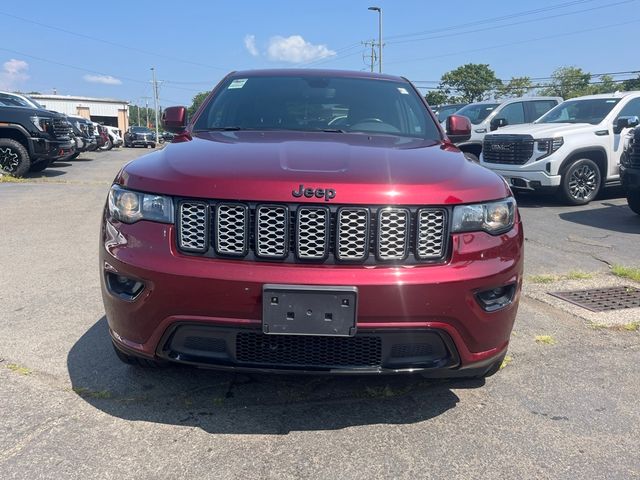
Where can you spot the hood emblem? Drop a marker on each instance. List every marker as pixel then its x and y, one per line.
pixel 309 192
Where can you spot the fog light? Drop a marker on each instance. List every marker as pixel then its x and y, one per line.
pixel 124 287
pixel 496 298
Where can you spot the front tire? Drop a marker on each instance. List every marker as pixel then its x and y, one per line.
pixel 107 146
pixel 40 166
pixel 14 158
pixel 633 199
pixel 581 182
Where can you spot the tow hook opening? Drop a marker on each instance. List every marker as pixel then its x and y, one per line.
pixel 123 287
pixel 496 298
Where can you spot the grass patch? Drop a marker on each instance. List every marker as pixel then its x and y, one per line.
pixel 10 179
pixel 631 327
pixel 631 273
pixel 578 275
pixel 507 360
pixel 19 369
pixel 88 393
pixel 626 327
pixel 542 278
pixel 545 340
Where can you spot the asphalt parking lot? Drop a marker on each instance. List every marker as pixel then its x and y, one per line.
pixel 564 406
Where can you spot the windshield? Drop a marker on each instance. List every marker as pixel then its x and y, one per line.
pixel 318 103
pixel 580 111
pixel 477 112
pixel 446 110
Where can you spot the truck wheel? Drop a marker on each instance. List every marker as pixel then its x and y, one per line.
pixel 14 158
pixel 633 199
pixel 581 182
pixel 471 156
pixel 107 146
pixel 73 156
pixel 137 361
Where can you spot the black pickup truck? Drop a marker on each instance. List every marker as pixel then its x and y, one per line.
pixel 630 169
pixel 31 139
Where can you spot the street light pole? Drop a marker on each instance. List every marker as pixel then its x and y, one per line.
pixel 379 10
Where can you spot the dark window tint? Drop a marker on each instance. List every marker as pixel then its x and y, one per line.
pixel 630 109
pixel 445 111
pixel 512 113
pixel 580 111
pixel 477 112
pixel 540 107
pixel 310 103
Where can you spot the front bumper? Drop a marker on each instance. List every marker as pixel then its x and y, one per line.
pixel 432 308
pixel 525 179
pixel 45 149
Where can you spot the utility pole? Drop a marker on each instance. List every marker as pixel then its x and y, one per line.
pixel 155 99
pixel 371 44
pixel 379 10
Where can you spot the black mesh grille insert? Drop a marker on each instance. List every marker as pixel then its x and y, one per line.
pixel 507 149
pixel 364 351
pixel 402 350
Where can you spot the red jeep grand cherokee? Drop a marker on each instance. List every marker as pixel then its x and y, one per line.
pixel 312 221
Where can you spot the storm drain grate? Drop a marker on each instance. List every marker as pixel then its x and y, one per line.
pixel 602 299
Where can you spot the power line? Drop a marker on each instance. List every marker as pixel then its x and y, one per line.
pixel 628 72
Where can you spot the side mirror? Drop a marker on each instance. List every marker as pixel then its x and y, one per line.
pixel 497 123
pixel 174 119
pixel 458 128
pixel 626 122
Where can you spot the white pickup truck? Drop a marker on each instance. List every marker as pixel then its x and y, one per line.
pixel 574 148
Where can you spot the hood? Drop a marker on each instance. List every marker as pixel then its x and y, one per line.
pixel 32 111
pixel 270 166
pixel 545 130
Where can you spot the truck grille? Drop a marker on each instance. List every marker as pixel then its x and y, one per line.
pixel 61 128
pixel 312 233
pixel 507 149
pixel 634 149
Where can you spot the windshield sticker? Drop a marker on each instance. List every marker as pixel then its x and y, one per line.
pixel 237 83
pixel 403 90
pixel 611 101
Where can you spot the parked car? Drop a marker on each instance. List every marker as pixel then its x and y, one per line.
pixel 263 239
pixel 139 136
pixel 630 163
pixel 443 111
pixel 490 115
pixel 574 149
pixel 83 135
pixel 115 136
pixel 31 139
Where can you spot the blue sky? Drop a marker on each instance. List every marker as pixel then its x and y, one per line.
pixel 107 50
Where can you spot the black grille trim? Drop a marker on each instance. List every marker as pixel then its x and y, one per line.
pixel 367 239
pixel 507 149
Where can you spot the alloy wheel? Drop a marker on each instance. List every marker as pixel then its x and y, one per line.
pixel 583 182
pixel 9 160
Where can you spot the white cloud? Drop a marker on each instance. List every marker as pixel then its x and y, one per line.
pixel 104 79
pixel 296 49
pixel 13 73
pixel 250 44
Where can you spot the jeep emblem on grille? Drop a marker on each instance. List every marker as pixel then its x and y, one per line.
pixel 326 193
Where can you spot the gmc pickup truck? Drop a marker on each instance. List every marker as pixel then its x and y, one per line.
pixel 264 238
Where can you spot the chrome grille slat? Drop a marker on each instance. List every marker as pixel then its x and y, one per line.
pixel 312 233
pixel 353 234
pixel 272 230
pixel 193 226
pixel 393 233
pixel 431 234
pixel 231 229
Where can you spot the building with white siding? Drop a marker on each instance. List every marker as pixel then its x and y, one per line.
pixel 102 110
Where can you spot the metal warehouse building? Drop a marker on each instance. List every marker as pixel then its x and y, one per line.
pixel 102 110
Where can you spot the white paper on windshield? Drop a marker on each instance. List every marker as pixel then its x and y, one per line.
pixel 403 90
pixel 237 83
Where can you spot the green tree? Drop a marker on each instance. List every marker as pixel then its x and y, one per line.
pixel 472 82
pixel 196 102
pixel 436 97
pixel 134 119
pixel 516 87
pixel 568 82
pixel 604 84
pixel 632 84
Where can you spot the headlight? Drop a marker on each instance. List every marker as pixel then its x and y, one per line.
pixel 129 207
pixel 494 217
pixel 43 124
pixel 548 145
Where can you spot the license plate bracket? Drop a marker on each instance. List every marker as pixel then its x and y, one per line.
pixel 309 310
